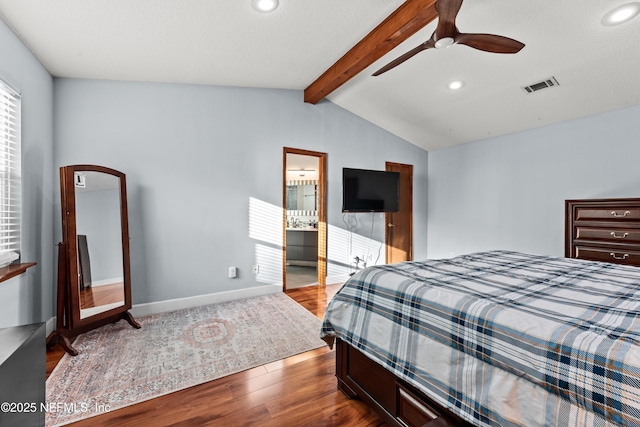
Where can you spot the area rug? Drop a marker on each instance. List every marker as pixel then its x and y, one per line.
pixel 119 366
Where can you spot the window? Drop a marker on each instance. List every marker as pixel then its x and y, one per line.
pixel 10 160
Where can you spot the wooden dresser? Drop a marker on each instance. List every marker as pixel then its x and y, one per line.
pixel 603 230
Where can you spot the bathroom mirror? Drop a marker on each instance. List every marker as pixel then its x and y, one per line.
pixel 94 284
pixel 302 197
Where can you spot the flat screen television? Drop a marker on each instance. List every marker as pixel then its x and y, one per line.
pixel 370 191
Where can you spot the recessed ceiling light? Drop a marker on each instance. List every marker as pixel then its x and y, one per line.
pixel 621 14
pixel 455 84
pixel 264 5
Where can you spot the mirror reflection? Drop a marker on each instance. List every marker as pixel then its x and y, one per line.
pixel 98 226
pixel 302 197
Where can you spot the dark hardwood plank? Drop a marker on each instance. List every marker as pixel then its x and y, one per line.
pixel 314 298
pixel 297 391
pixel 405 21
pixel 101 295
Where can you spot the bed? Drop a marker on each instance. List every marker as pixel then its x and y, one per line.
pixel 497 338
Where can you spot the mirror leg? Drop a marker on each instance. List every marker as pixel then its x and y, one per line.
pixel 129 318
pixel 65 343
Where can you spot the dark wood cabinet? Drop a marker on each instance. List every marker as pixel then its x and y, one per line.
pixel 398 403
pixel 302 245
pixel 603 230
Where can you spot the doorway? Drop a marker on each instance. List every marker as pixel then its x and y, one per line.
pixel 304 220
pixel 399 230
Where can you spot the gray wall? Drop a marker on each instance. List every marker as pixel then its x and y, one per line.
pixel 204 175
pixel 509 192
pixel 29 298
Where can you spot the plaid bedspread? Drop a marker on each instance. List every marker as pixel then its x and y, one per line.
pixel 503 338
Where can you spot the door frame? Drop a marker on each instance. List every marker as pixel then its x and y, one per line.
pixel 388 215
pixel 322 213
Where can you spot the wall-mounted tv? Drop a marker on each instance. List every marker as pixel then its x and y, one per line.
pixel 369 190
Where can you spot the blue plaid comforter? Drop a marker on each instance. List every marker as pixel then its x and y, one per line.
pixel 503 338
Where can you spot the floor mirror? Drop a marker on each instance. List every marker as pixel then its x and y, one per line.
pixel 94 281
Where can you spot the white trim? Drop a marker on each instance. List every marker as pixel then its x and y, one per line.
pixel 107 281
pixel 337 278
pixel 10 85
pixel 50 325
pixel 147 309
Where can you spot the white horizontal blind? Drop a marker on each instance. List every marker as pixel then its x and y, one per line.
pixel 10 160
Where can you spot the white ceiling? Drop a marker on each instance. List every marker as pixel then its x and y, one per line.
pixel 307 163
pixel 226 42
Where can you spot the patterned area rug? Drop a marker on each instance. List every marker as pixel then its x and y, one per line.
pixel 119 366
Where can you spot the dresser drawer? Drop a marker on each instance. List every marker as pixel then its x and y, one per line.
pixel 412 410
pixel 612 235
pixel 617 256
pixel 603 230
pixel 585 213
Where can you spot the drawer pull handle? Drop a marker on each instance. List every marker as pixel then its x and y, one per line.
pixel 614 213
pixel 613 233
pixel 418 405
pixel 625 256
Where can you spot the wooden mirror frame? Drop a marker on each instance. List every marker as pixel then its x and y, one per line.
pixel 69 322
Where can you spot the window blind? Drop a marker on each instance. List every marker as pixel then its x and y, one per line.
pixel 10 160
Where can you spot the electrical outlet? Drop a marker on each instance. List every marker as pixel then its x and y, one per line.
pixel 256 269
pixel 452 254
pixel 233 272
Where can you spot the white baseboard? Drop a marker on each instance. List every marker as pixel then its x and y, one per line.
pixel 139 310
pixel 337 278
pixel 146 309
pixel 106 282
pixel 50 325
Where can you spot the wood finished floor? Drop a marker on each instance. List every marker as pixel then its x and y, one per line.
pixel 101 295
pixel 297 391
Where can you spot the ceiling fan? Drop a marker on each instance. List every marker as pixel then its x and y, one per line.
pixel 447 34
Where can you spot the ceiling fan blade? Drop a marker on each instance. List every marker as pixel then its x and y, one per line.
pixel 490 42
pixel 399 60
pixel 447 12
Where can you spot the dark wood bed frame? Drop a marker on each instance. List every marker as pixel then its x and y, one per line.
pixel 398 403
pixel 596 229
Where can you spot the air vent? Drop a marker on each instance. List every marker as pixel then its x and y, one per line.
pixel 550 82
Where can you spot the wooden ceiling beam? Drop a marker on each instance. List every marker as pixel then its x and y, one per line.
pixel 405 21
